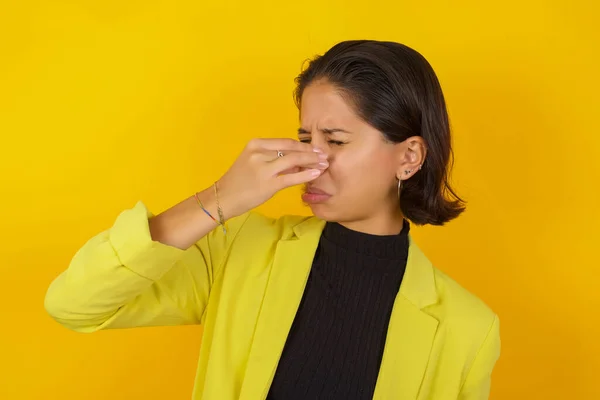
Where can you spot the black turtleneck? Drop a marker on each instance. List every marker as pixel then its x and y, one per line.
pixel 335 345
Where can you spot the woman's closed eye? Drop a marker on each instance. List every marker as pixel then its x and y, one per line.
pixel 330 141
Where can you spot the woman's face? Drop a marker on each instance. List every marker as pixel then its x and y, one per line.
pixel 359 189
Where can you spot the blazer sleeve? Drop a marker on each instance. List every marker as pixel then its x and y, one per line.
pixel 121 278
pixel 478 382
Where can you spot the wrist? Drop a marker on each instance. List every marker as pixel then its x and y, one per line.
pixel 229 201
pixel 219 203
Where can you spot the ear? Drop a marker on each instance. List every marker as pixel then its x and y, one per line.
pixel 411 156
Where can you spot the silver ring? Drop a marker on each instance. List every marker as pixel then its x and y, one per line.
pixel 279 153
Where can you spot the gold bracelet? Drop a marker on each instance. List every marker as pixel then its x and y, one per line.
pixel 219 209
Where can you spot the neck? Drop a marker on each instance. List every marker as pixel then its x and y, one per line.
pixel 381 224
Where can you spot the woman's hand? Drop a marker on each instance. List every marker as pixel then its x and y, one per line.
pixel 265 167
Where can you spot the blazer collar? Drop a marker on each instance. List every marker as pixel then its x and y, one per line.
pixel 418 283
pixel 410 333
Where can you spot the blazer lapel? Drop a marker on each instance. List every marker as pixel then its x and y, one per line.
pixel 291 266
pixel 410 333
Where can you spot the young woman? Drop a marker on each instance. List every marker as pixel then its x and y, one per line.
pixel 341 305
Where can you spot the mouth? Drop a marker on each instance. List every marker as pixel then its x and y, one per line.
pixel 313 195
pixel 314 190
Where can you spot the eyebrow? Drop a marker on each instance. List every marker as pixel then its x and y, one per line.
pixel 302 131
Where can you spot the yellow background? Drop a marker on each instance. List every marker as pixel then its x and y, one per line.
pixel 107 102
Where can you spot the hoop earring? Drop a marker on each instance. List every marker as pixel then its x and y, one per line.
pixel 399 187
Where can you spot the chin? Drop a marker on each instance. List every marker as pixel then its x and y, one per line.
pixel 324 212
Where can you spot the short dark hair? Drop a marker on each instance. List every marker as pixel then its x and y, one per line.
pixel 394 89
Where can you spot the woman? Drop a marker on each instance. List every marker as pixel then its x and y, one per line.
pixel 342 305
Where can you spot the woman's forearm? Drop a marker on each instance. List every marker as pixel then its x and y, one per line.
pixel 186 222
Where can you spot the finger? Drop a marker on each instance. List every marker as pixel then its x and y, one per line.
pixel 283 145
pixel 298 178
pixel 293 170
pixel 298 169
pixel 300 159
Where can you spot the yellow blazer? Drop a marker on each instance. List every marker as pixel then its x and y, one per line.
pixel 245 287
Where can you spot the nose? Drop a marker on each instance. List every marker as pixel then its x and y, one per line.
pixel 324 146
pixel 319 141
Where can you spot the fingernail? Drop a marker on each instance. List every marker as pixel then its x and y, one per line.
pixel 317 150
pixel 323 164
pixel 322 156
pixel 315 172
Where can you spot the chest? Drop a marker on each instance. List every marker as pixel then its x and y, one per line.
pixel 252 309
